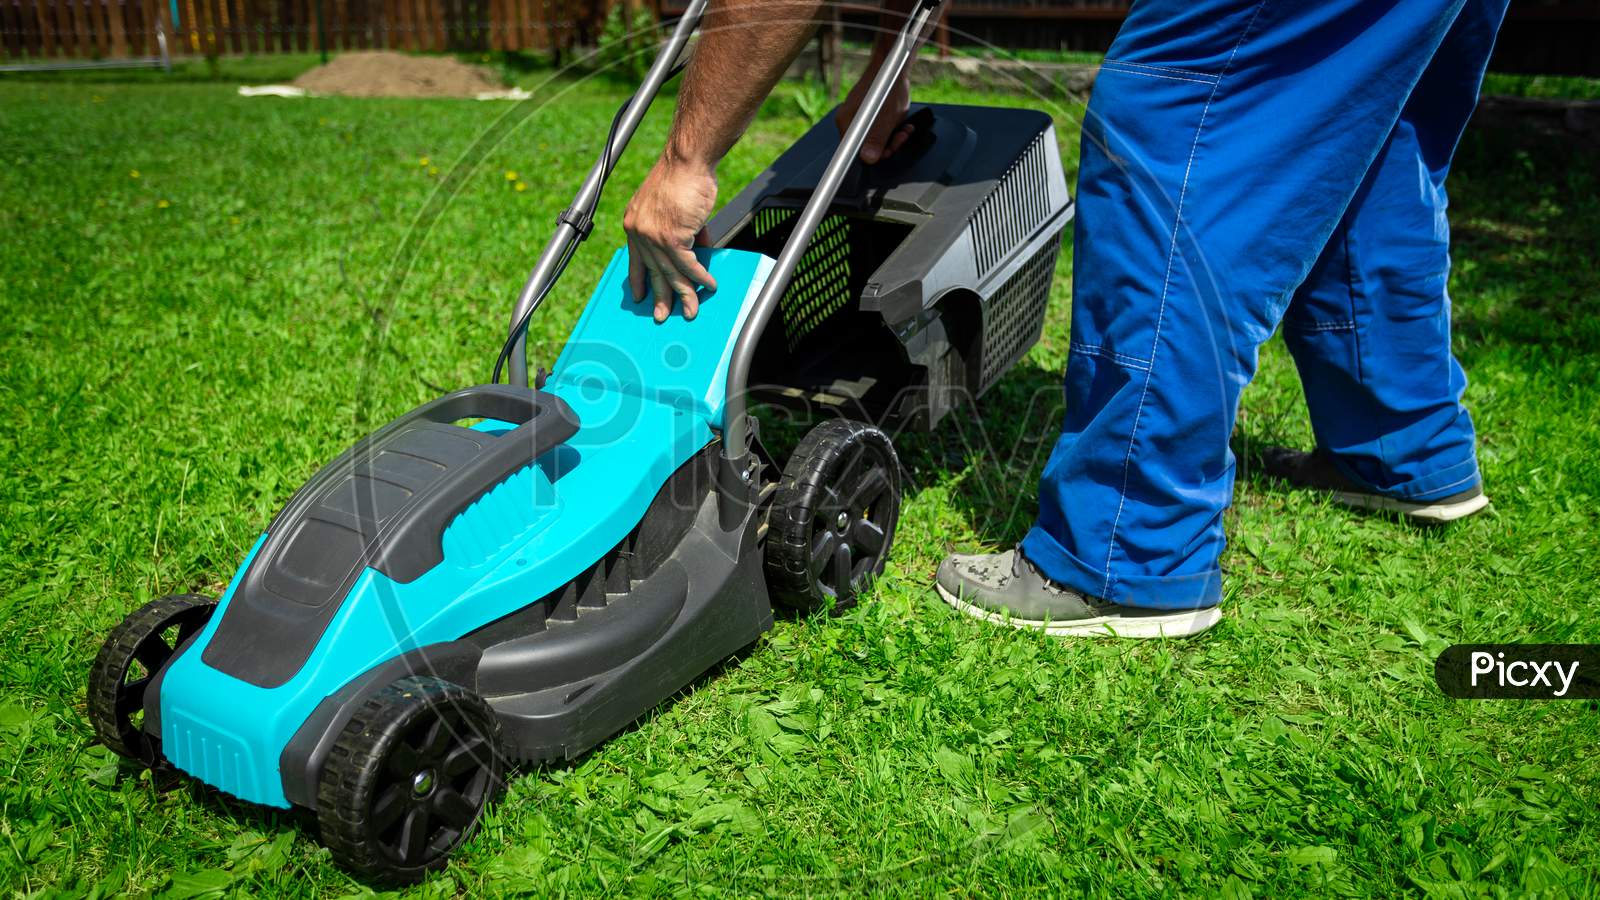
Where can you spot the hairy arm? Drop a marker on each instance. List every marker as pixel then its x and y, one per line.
pixel 744 48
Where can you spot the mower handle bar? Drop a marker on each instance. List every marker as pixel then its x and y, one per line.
pixel 573 224
pixel 736 422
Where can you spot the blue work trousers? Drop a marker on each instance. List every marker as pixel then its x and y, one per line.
pixel 1248 164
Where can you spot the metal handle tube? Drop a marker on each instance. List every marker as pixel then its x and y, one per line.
pixel 736 426
pixel 588 195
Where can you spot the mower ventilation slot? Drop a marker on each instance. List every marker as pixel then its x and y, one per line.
pixel 821 285
pixel 1020 202
pixel 214 755
pixel 1015 315
pixel 843 253
pixel 767 219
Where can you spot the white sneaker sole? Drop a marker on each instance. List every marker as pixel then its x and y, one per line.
pixel 1429 513
pixel 1181 623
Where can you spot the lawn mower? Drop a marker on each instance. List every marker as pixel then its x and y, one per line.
pixel 514 572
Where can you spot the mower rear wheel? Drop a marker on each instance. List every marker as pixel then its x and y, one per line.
pixel 833 518
pixel 408 779
pixel 129 660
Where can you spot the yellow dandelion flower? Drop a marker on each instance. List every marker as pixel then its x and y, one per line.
pixel 424 162
pixel 433 170
pixel 162 204
pixel 521 187
pixel 133 173
pixel 510 175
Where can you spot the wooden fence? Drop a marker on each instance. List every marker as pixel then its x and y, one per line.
pixel 1549 36
pixel 110 29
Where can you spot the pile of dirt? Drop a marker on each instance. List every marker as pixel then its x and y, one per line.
pixel 380 73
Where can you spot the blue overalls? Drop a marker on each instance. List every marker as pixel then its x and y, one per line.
pixel 1246 164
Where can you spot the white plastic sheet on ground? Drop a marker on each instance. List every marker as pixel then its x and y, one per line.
pixel 289 90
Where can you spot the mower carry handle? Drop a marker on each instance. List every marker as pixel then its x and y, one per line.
pixel 411 546
pixel 517 406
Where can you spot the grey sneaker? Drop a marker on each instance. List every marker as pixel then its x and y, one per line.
pixel 1316 471
pixel 1005 588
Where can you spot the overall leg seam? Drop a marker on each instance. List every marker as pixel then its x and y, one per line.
pixel 1208 78
pixel 1313 327
pixel 1458 482
pixel 1116 67
pixel 1358 295
pixel 1172 251
pixel 1112 356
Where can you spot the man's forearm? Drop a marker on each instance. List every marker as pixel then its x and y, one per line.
pixel 745 47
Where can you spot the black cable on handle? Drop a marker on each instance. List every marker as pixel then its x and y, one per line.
pixel 582 222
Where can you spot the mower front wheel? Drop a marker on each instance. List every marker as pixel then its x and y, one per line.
pixel 408 779
pixel 128 662
pixel 832 520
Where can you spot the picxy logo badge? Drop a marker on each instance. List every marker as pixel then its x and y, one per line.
pixel 1519 671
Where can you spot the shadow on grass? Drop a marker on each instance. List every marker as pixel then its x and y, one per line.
pixel 252 817
pixel 994 449
pixel 1525 223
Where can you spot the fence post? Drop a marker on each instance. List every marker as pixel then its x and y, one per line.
pixel 97 27
pixel 63 28
pixel 47 32
pixel 80 44
pixel 188 39
pixel 10 33
pixel 238 26
pixel 119 36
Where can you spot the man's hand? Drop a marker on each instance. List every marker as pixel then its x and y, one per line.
pixel 664 221
pixel 887 133
pixel 745 46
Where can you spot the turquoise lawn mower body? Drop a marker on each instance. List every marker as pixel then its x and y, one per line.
pixel 515 572
pixel 632 402
pixel 504 574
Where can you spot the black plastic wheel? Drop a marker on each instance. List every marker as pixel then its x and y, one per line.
pixel 131 656
pixel 408 779
pixel 832 520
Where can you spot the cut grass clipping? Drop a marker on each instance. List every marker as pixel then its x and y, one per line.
pixel 201 307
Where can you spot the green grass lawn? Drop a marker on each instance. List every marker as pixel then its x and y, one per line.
pixel 201 303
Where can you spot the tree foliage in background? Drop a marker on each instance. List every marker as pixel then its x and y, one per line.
pixel 628 41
